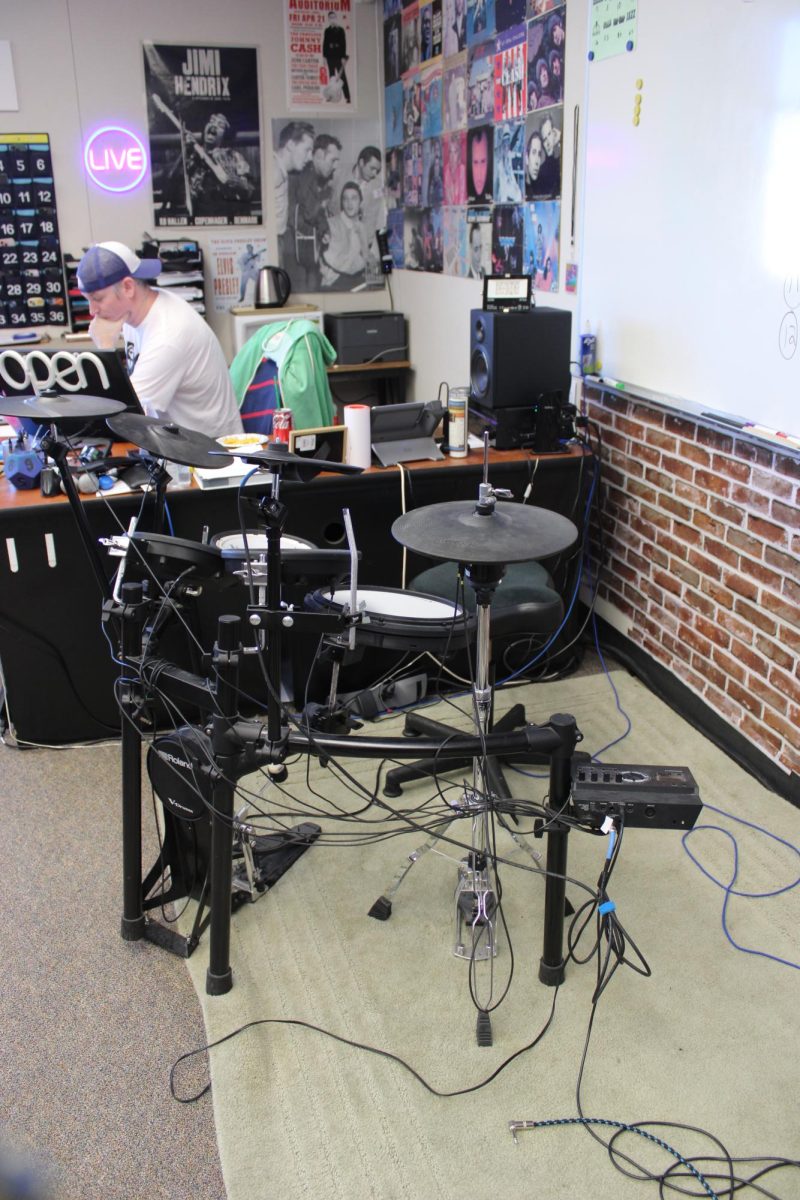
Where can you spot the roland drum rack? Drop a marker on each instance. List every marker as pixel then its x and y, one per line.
pixel 196 767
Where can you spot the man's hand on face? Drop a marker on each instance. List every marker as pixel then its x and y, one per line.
pixel 104 333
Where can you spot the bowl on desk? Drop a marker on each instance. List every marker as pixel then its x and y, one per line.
pixel 243 441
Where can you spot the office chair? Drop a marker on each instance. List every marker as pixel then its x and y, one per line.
pixel 526 610
pixel 283 365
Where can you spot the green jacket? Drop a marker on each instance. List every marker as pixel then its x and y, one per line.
pixel 301 353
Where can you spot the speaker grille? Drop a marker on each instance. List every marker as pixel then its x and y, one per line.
pixel 479 373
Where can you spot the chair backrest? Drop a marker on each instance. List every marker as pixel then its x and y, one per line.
pixel 284 365
pixel 262 397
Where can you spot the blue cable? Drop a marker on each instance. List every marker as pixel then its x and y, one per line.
pixel 620 709
pixel 575 593
pixel 727 888
pixel 623 1127
pixel 730 890
pixel 531 662
pixel 247 477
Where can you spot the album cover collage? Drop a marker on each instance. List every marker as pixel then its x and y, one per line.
pixel 473 123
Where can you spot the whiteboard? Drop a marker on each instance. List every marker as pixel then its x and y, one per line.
pixel 690 256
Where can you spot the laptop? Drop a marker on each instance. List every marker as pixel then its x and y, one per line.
pixel 68 373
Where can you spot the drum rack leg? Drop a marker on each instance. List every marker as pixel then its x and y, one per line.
pixel 132 614
pixel 552 963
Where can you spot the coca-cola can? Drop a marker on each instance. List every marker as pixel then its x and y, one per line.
pixel 281 425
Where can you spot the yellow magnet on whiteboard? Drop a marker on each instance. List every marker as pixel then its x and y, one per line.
pixel 636 118
pixel 639 84
pixel 637 102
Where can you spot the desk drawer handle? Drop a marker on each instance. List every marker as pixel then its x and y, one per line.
pixel 11 551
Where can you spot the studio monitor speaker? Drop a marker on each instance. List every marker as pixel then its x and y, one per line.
pixel 518 358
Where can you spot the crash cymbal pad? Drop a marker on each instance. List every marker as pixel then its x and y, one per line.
pixel 165 439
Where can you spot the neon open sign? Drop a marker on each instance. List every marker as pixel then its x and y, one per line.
pixel 115 159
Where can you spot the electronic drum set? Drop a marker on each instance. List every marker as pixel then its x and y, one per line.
pixel 196 767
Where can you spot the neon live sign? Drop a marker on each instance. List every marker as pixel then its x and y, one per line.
pixel 115 159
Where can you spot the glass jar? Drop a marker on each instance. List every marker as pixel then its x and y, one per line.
pixel 457 418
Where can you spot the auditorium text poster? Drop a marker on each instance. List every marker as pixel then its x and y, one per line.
pixel 320 54
pixel 202 111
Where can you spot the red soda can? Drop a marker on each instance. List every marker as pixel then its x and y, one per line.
pixel 281 425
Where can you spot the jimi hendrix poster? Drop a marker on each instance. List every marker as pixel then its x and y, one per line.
pixel 202 110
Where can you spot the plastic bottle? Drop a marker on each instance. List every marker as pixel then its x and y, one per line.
pixel 588 352
pixel 457 422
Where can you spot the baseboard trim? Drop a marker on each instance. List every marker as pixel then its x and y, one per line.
pixel 687 704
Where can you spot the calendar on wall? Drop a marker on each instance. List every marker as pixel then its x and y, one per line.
pixel 32 289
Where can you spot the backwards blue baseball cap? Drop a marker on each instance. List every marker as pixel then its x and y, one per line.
pixel 107 263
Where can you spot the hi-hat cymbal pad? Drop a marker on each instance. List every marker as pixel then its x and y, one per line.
pixel 52 409
pixel 277 454
pixel 458 532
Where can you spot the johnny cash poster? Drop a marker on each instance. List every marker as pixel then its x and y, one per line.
pixel 202 111
pixel 320 54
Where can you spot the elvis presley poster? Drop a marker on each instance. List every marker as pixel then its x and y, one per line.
pixel 202 110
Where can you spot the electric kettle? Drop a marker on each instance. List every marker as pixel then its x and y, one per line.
pixel 272 287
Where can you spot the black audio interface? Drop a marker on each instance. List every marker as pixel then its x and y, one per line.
pixel 654 796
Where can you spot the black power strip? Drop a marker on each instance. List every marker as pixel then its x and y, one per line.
pixel 652 797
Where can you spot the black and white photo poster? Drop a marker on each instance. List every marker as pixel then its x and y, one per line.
pixel 329 202
pixel 202 111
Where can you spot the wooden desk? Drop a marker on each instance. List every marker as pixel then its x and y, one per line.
pixel 57 665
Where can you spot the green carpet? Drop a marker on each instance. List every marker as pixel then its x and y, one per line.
pixel 705 1041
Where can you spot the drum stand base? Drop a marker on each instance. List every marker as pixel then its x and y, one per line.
pixel 417 724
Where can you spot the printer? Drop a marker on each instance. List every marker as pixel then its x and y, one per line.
pixel 367 337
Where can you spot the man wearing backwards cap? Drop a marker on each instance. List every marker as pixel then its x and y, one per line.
pixel 174 360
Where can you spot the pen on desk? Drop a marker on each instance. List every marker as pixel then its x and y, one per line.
pixel 11 339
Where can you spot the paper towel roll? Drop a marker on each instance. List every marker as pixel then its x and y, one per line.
pixel 357 424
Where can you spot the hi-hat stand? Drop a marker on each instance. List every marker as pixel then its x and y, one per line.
pixel 487 536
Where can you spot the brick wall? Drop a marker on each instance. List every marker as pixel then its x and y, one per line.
pixel 702 562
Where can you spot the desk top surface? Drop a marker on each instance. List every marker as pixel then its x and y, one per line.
pixel 401 364
pixel 11 498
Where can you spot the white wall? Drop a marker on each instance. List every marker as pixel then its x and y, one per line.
pixel 79 64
